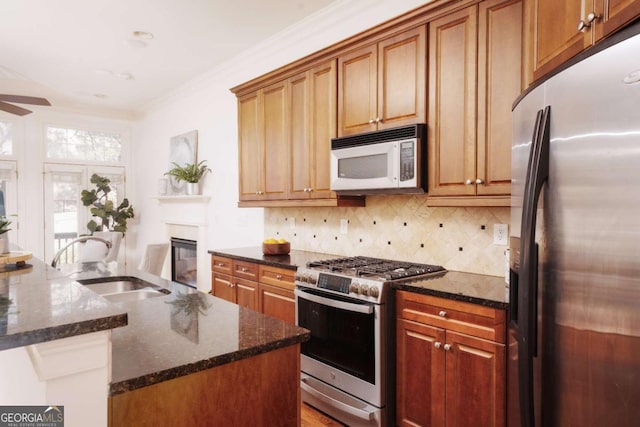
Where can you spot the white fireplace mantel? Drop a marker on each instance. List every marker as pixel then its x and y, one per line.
pixel 187 217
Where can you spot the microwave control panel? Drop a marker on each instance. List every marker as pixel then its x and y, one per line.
pixel 407 160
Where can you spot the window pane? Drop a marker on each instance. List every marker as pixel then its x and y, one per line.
pixel 6 139
pixel 78 144
pixel 66 200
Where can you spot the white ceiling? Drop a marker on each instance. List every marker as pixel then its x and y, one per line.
pixel 71 50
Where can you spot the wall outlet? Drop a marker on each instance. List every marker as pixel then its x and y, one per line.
pixel 292 222
pixel 344 226
pixel 500 234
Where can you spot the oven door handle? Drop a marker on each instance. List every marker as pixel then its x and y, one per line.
pixel 360 308
pixel 363 415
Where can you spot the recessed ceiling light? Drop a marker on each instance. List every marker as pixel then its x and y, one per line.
pixel 632 77
pixel 142 35
pixel 100 95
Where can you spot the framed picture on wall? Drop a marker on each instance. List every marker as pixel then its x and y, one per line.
pixel 183 149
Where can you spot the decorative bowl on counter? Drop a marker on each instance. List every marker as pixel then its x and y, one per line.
pixel 277 248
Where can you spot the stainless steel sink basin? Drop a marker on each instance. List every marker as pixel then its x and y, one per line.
pixel 124 289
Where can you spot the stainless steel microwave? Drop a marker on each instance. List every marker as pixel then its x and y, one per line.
pixel 385 161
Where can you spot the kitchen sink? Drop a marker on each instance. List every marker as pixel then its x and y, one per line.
pixel 124 289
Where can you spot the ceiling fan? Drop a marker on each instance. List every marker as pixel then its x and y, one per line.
pixel 19 99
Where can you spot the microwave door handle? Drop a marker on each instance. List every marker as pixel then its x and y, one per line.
pixel 359 308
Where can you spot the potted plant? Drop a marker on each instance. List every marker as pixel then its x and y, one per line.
pixel 110 221
pixel 4 237
pixel 191 173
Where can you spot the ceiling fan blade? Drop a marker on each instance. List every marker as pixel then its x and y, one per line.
pixel 14 109
pixel 19 99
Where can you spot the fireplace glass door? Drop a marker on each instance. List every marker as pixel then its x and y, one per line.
pixel 183 261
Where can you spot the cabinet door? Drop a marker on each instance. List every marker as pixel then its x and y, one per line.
pixel 277 302
pixel 323 127
pixel 402 76
pixel 250 146
pixel 615 14
pixel 246 293
pixel 475 382
pixel 499 84
pixel 357 86
pixel 222 287
pixel 452 104
pixel 276 157
pixel 557 37
pixel 299 137
pixel 420 375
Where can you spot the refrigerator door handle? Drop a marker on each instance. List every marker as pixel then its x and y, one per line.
pixel 537 174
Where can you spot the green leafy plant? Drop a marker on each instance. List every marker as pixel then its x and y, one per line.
pixel 109 217
pixel 4 225
pixel 190 172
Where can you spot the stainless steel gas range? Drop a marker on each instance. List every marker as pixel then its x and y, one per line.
pixel 347 365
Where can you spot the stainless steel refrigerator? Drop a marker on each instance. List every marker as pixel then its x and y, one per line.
pixel 574 335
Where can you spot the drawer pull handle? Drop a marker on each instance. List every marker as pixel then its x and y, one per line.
pixel 447 347
pixel 442 313
pixel 437 344
pixel 220 264
pixel 244 269
pixel 279 276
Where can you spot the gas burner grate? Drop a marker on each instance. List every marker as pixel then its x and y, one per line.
pixel 385 269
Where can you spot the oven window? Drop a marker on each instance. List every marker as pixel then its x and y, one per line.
pixel 340 338
pixel 363 167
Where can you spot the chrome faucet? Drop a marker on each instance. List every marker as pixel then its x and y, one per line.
pixel 81 239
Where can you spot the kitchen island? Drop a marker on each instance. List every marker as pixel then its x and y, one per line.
pixel 186 357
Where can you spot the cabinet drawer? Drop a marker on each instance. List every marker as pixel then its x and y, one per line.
pixel 246 270
pixel 221 264
pixel 468 318
pixel 280 277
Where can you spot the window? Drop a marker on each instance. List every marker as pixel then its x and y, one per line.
pixel 83 145
pixel 74 154
pixel 66 217
pixel 6 138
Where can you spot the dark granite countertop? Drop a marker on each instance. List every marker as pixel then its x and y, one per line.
pixel 39 304
pixel 154 340
pixel 481 289
pixel 490 291
pixel 290 261
pixel 189 331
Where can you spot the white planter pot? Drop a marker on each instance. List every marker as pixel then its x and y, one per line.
pixel 193 188
pixel 4 243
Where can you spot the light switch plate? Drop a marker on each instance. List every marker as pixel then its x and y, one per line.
pixel 500 234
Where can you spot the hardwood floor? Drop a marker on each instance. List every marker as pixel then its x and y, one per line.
pixel 311 417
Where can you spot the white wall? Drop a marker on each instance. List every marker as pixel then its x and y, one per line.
pixel 206 104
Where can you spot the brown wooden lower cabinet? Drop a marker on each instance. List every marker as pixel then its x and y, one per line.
pixel 263 288
pixel 445 377
pixel 278 302
pixel 259 391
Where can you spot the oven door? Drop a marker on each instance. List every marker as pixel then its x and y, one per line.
pixel 347 345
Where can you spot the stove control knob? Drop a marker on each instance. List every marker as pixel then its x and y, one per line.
pixel 374 292
pixel 364 290
pixel 355 288
pixel 312 279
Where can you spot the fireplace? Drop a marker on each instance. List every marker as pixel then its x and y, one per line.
pixel 184 256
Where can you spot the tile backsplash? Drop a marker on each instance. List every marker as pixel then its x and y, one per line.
pixel 400 228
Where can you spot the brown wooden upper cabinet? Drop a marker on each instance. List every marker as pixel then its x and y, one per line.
pixel 262 145
pixel 312 101
pixel 382 85
pixel 474 77
pixel 564 28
